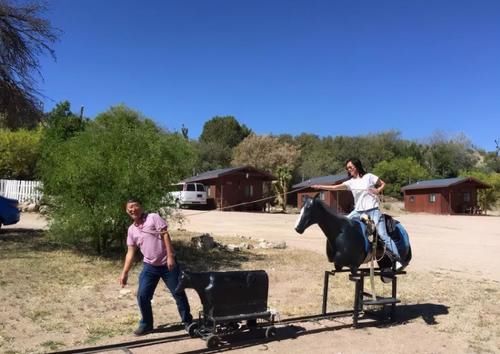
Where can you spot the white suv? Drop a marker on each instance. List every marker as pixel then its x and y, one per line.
pixel 189 194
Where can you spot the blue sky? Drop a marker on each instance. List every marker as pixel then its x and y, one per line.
pixel 338 67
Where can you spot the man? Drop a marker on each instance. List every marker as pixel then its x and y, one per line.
pixel 148 232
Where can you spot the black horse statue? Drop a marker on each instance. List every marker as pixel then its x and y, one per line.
pixel 347 242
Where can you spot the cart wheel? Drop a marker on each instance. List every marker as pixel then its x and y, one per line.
pixel 212 341
pixel 270 332
pixel 192 329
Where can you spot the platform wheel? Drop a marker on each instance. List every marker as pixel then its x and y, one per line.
pixel 212 341
pixel 270 332
pixel 192 330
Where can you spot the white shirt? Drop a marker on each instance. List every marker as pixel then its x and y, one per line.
pixel 363 199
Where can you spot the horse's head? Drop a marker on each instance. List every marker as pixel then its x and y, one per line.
pixel 184 281
pixel 307 216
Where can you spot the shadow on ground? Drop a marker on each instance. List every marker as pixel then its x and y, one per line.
pixel 428 312
pixel 405 313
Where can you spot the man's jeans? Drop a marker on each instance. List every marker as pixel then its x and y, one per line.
pixel 148 280
pixel 379 221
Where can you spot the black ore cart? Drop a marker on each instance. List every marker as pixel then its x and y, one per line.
pixel 232 302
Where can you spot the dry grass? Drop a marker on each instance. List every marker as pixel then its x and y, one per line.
pixel 52 298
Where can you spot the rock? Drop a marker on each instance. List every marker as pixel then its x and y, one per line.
pixel 264 244
pixel 233 248
pixel 32 207
pixel 280 245
pixel 204 242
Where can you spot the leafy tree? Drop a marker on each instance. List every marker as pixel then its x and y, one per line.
pixel 487 198
pixel 327 155
pixel 89 176
pixel 19 153
pixel 24 35
pixel 492 162
pixel 60 125
pixel 315 159
pixel 446 157
pixel 269 154
pixel 398 173
pixel 219 136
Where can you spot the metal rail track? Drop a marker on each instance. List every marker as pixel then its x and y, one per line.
pixel 126 346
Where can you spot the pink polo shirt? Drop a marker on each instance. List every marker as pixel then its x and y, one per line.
pixel 148 238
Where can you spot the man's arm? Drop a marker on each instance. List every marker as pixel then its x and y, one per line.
pixel 170 249
pixel 129 259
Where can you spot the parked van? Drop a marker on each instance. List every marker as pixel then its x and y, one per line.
pixel 184 194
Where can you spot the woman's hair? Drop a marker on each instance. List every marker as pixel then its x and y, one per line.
pixel 359 166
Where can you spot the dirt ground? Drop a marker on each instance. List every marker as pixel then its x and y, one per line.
pixel 448 297
pixel 459 244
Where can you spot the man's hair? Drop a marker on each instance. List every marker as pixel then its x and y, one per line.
pixel 134 200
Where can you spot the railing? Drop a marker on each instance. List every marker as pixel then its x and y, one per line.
pixel 21 190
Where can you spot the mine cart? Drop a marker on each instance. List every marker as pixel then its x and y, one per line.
pixel 232 302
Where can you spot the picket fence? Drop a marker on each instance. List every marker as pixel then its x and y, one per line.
pixel 23 191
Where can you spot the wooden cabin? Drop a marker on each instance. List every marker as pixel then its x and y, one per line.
pixel 340 201
pixel 444 196
pixel 236 188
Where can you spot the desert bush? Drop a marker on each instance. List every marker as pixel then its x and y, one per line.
pixel 19 153
pixel 119 155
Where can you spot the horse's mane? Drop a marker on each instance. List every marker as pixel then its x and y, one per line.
pixel 329 210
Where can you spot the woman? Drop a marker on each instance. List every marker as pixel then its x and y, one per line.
pixel 365 188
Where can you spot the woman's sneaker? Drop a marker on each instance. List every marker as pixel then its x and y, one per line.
pixel 400 266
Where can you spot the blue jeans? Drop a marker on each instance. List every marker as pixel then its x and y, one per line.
pixel 148 280
pixel 379 221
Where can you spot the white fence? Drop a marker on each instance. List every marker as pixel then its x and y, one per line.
pixel 21 190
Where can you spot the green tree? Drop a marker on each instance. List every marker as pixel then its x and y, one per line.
pixel 89 176
pixel 60 125
pixel 487 198
pixel 446 157
pixel 316 158
pixel 269 154
pixel 217 140
pixel 19 153
pixel 398 173
pixel 24 36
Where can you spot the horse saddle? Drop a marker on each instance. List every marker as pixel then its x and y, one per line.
pixel 395 230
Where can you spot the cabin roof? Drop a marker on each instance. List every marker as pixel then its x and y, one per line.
pixel 330 179
pixel 213 174
pixel 444 183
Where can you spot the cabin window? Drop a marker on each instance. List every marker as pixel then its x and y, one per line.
pixel 432 197
pixel 321 195
pixel 248 191
pixel 466 196
pixel 412 199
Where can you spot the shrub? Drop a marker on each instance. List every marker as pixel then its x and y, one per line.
pixel 92 174
pixel 19 153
